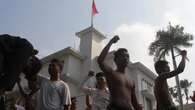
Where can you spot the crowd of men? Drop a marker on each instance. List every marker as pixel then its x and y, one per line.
pixel 112 90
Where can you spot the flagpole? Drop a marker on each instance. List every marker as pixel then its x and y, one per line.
pixel 92 14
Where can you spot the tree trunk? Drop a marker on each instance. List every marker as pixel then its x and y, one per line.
pixel 186 93
pixel 177 80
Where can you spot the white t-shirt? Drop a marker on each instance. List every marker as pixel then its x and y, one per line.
pixel 53 95
pixel 89 82
pixel 100 97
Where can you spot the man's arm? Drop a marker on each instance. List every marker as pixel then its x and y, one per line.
pixel 179 69
pixel 135 103
pixel 104 67
pixel 20 88
pixel 66 97
pixel 88 102
pixel 66 107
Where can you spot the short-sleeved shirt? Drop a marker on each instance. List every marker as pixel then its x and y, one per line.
pixel 53 95
pixel 89 82
pixel 100 97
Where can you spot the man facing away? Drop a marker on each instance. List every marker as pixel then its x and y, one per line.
pixel 54 93
pixel 122 91
pixel 163 98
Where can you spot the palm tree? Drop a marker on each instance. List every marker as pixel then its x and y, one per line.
pixel 170 40
pixel 185 84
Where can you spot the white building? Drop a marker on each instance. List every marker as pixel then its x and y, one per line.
pixel 78 63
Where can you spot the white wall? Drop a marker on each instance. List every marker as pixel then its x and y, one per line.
pixel 85 50
pixel 96 46
pixel 144 82
pixel 90 48
pixel 74 68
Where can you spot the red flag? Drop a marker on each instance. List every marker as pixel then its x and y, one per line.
pixel 94 9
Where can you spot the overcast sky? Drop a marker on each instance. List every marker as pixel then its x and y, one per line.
pixel 51 24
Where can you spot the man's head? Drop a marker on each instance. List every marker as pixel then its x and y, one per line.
pixel 162 66
pixel 101 80
pixel 121 57
pixel 74 102
pixel 91 73
pixel 32 68
pixel 55 68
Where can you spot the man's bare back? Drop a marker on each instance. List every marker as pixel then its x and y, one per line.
pixel 163 98
pixel 162 94
pixel 121 89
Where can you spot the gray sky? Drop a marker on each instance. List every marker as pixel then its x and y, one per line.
pixel 51 24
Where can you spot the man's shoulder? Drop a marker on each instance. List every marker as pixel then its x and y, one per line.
pixel 159 82
pixel 159 78
pixel 63 84
pixel 117 75
pixel 42 78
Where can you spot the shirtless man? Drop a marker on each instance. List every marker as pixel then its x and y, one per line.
pixel 163 98
pixel 122 91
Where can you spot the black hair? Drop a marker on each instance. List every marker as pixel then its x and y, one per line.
pixel 58 62
pixel 37 64
pixel 119 51
pixel 159 64
pixel 73 99
pixel 100 74
pixel 36 67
